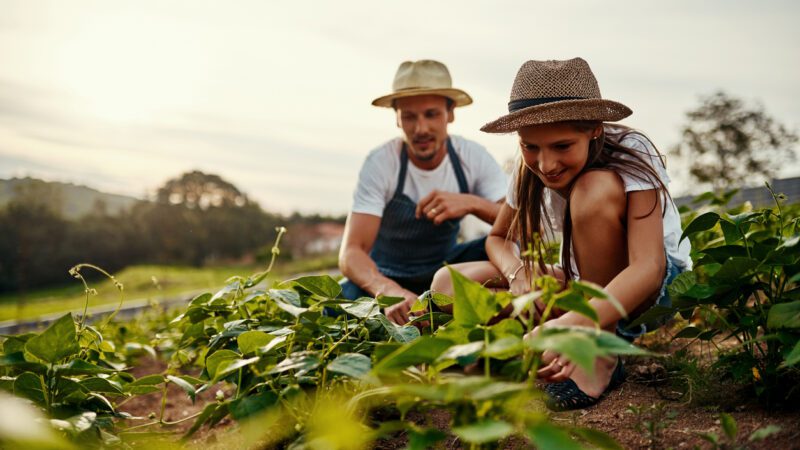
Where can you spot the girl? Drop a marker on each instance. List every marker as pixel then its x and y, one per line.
pixel 603 187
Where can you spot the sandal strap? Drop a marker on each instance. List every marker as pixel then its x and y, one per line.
pixel 567 395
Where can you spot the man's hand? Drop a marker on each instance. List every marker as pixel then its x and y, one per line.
pixel 398 313
pixel 439 206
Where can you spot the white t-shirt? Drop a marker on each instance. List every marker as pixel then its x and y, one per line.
pixel 377 180
pixel 554 204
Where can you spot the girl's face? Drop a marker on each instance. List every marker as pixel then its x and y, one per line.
pixel 556 152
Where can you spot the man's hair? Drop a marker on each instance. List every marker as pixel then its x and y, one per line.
pixel 450 103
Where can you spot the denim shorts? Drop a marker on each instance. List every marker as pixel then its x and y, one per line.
pixel 674 268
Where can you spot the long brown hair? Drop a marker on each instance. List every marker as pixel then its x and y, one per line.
pixel 604 152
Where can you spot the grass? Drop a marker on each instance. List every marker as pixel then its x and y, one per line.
pixel 151 282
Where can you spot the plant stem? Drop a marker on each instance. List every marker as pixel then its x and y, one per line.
pixel 486 366
pixel 163 403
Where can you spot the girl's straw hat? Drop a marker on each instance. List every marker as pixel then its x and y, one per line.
pixel 424 77
pixel 555 91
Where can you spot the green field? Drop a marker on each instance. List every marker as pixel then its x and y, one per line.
pixel 151 282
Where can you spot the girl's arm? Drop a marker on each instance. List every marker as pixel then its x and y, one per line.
pixel 641 280
pixel 504 252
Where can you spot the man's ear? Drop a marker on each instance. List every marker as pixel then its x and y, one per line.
pixel 397 119
pixel 451 114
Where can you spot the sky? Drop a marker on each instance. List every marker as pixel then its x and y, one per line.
pixel 275 96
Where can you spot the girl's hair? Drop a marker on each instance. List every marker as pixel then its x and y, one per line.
pixel 604 152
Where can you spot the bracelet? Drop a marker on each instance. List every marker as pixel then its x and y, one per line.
pixel 513 275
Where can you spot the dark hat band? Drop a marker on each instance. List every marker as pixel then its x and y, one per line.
pixel 516 105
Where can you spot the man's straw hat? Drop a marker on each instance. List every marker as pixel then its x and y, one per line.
pixel 424 77
pixel 555 91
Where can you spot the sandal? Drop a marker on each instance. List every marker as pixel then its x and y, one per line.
pixel 566 395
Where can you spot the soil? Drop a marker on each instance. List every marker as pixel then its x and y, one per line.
pixel 678 422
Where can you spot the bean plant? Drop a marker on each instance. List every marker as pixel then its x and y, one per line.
pixel 744 286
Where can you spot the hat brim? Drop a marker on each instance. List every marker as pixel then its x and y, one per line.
pixel 560 111
pixel 458 96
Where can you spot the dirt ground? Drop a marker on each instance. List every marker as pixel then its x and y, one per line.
pixel 677 423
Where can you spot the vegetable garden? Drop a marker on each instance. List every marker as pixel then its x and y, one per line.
pixel 293 365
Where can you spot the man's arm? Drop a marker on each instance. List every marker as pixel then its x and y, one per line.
pixel 354 262
pixel 439 206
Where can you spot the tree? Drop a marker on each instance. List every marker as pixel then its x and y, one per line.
pixel 200 190
pixel 727 143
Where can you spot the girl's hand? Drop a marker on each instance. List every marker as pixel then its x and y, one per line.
pixel 520 285
pixel 555 367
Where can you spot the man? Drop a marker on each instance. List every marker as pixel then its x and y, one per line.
pixel 413 191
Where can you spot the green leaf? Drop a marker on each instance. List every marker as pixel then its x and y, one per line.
pixel 228 367
pixel 731 233
pixel 689 332
pixel 548 436
pixel 424 439
pixel 504 348
pixel 362 308
pixel 597 438
pixel 464 354
pixel 219 357
pixel 484 431
pixel 97 384
pixel 397 332
pixel 700 223
pixel 793 357
pixel 440 299
pixel 744 218
pixel 592 290
pixel 18 361
pixel 183 384
pixel 523 302
pixel 81 367
pixel 473 304
pixel 784 315
pixel 302 362
pixel 287 300
pixel 574 301
pixel 652 316
pixel 252 404
pixel 30 386
pixel 589 289
pixel 424 350
pixel 764 432
pixel 322 285
pixel 611 344
pixel 729 425
pixel 56 342
pixel 148 380
pixel 272 345
pixel 252 340
pixel 575 345
pixel 506 327
pixel 353 365
pixel 736 268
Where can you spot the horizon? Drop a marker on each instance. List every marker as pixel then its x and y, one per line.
pixel 276 99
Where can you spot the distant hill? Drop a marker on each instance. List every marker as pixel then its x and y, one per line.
pixel 75 200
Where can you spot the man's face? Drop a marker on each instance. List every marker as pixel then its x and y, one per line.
pixel 424 122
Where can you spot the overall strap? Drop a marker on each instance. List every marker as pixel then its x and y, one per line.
pixel 401 177
pixel 459 171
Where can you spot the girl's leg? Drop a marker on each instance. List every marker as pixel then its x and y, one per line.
pixel 598 207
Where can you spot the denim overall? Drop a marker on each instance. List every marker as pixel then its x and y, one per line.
pixel 410 250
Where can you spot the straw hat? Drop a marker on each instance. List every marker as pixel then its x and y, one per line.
pixel 424 77
pixel 555 91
